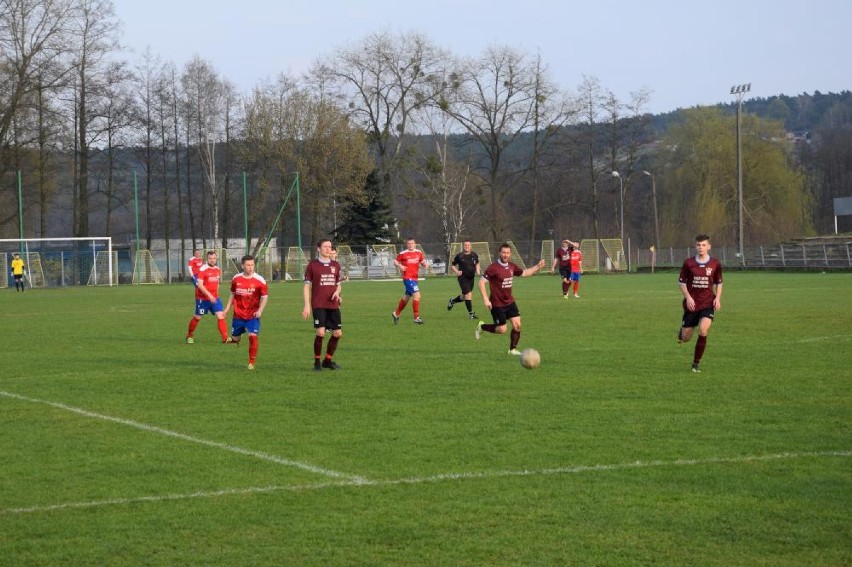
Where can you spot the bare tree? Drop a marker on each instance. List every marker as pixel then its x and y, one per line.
pixel 384 78
pixel 205 105
pixel 94 29
pixel 493 98
pixel 590 98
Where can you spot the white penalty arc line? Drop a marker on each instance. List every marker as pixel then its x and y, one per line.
pixel 215 444
pixel 482 475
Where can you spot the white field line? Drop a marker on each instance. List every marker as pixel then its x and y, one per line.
pixel 482 475
pixel 215 444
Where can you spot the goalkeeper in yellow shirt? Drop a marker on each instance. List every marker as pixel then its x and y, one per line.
pixel 18 272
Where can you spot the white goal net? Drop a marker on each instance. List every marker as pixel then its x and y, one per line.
pixel 58 262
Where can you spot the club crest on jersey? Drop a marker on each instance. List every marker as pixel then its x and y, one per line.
pixel 333 269
pixel 709 271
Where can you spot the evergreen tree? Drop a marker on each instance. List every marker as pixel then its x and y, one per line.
pixel 366 220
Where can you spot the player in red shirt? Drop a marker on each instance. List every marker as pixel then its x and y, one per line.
pixel 562 257
pixel 195 263
pixel 321 293
pixel 500 301
pixel 408 262
pixel 576 267
pixel 206 280
pixel 701 284
pixel 249 295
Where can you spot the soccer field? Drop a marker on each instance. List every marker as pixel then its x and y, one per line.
pixel 123 445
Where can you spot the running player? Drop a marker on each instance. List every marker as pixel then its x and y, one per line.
pixel 701 285
pixel 322 298
pixel 195 263
pixel 468 267
pixel 207 297
pixel 501 302
pixel 408 262
pixel 249 294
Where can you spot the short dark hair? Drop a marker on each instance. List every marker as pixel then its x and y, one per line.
pixel 321 240
pixel 702 238
pixel 506 245
pixel 246 258
pixel 211 252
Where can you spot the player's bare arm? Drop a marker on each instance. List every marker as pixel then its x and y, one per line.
pixel 260 309
pixel 533 269
pixel 717 301
pixel 306 295
pixel 690 303
pixel 485 300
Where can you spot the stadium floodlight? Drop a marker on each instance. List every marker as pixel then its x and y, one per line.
pixel 621 200
pixel 739 91
pixel 656 218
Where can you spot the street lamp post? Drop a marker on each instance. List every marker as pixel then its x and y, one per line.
pixel 656 218
pixel 621 201
pixel 739 91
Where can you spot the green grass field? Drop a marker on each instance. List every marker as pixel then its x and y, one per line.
pixel 122 445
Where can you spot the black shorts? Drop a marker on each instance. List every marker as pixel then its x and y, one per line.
pixel 503 314
pixel 565 272
pixel 466 284
pixel 327 318
pixel 692 318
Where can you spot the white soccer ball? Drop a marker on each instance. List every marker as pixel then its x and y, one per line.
pixel 530 358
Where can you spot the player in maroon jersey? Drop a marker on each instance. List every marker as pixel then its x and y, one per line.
pixel 500 301
pixel 207 299
pixel 249 294
pixel 408 262
pixel 322 298
pixel 701 284
pixel 562 258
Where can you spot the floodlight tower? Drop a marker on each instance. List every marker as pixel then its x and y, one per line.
pixel 739 91
pixel 621 199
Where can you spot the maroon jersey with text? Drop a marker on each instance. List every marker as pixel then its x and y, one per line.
pixel 323 278
pixel 699 278
pixel 500 278
pixel 209 277
pixel 563 256
pixel 247 291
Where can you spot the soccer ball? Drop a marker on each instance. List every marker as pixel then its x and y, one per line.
pixel 530 358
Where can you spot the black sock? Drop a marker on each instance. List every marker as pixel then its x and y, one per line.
pixel 469 304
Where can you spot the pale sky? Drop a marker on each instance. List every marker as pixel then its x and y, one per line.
pixel 686 52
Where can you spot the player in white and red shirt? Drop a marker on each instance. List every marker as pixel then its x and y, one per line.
pixel 562 258
pixel 206 280
pixel 701 284
pixel 321 293
pixel 408 262
pixel 500 278
pixel 249 295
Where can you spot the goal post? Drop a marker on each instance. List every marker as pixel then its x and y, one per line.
pixel 58 262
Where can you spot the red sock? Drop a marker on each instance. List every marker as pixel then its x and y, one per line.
pixel 400 307
pixel 252 348
pixel 332 346
pixel 489 328
pixel 193 323
pixel 576 287
pixel 700 345
pixel 317 347
pixel 223 329
pixel 514 339
pixel 416 308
